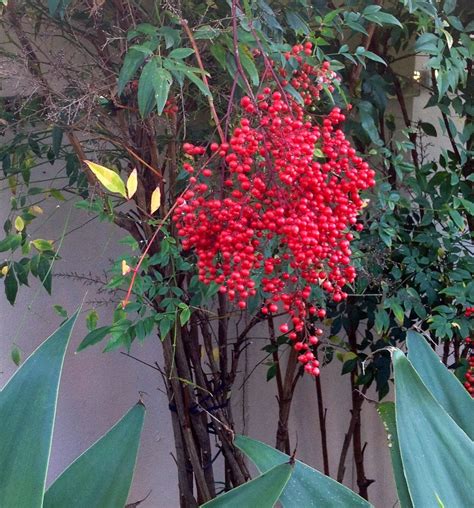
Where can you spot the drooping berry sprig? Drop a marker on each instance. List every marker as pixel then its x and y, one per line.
pixel 276 212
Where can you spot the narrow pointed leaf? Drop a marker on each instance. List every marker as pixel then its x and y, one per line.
pixel 27 411
pixel 441 382
pixel 386 411
pixel 263 491
pixel 108 178
pixel 437 454
pixel 102 475
pixel 307 487
pixel 155 200
pixel 162 81
pixel 132 184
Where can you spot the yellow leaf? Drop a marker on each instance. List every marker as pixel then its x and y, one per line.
pixel 19 224
pixel 155 200
pixel 125 268
pixel 108 178
pixel 4 270
pixel 36 210
pixel 132 184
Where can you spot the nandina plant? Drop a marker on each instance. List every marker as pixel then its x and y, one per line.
pixel 272 219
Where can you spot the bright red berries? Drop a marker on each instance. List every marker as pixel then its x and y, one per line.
pixel 277 218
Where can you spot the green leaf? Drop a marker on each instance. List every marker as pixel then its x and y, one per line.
pixel 449 6
pixel 198 82
pixel 11 286
pixel 374 57
pixel 57 139
pixel 383 18
pixel 27 409
pixel 94 337
pixel 162 81
pixel 11 242
pixel 60 311
pixel 42 245
pixel 16 356
pixel 428 128
pixel 436 453
pixel 131 63
pixel 386 411
pixel 308 486
pixel 184 315
pixel 105 469
pixel 248 64
pixel 457 218
pixel 181 53
pixel 108 178
pixel 146 89
pixel 441 382
pixel 263 491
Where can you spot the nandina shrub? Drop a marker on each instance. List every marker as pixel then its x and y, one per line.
pixel 271 210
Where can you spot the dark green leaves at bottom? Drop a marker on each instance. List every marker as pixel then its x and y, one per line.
pixel 27 409
pixel 386 411
pixel 102 475
pixel 437 454
pixel 262 492
pixel 307 487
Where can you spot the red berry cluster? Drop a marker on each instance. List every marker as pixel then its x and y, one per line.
pixel 280 208
pixel 469 382
pixel 469 312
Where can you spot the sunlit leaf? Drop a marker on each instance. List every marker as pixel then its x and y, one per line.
pixel 108 178
pixel 155 200
pixel 132 183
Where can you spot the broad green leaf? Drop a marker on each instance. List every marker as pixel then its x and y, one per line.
pixel 441 382
pixel 10 242
pixel 94 337
pixel 248 64
pixel 102 475
pixel 11 285
pixel 386 411
pixel 374 57
pixel 181 53
pixel 108 178
pixel 262 492
pixel 162 81
pixel 307 487
pixel 437 454
pixel 27 410
pixel 146 89
pixel 131 63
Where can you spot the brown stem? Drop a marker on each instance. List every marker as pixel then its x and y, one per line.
pixel 210 100
pixel 322 424
pixel 284 404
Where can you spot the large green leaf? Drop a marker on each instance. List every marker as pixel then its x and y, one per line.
pixel 101 476
pixel 441 382
pixel 27 411
pixel 386 411
pixel 437 454
pixel 262 492
pixel 307 487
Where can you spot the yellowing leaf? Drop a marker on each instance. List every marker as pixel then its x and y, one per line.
pixel 42 245
pixel 36 210
pixel 155 200
pixel 4 270
pixel 19 224
pixel 125 268
pixel 108 178
pixel 132 184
